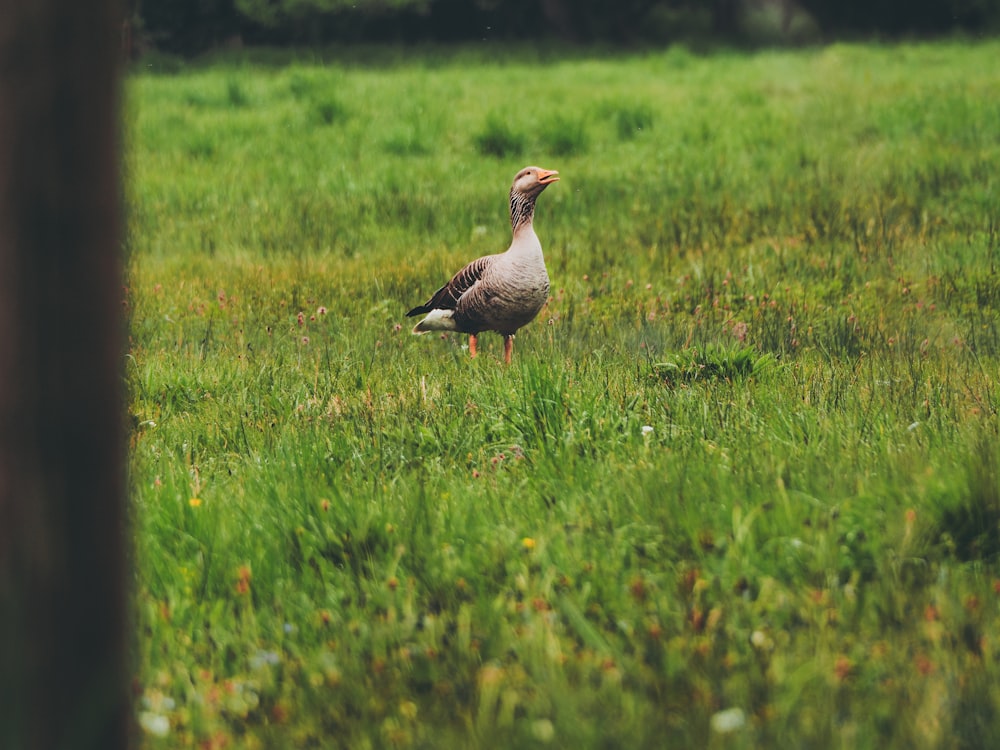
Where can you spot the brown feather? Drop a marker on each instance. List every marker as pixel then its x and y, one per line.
pixel 446 298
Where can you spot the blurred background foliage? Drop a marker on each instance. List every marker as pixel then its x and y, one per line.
pixel 193 26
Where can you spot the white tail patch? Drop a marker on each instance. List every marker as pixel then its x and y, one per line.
pixel 436 320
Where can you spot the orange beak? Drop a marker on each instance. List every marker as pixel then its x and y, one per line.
pixel 546 176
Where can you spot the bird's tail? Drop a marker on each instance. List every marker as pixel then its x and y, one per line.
pixel 437 320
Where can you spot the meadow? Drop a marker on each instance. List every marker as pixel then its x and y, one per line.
pixel 740 486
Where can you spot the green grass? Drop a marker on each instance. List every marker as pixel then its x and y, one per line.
pixel 745 464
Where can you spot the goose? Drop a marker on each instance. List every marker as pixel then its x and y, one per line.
pixel 501 292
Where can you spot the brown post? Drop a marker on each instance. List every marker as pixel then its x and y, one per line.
pixel 63 669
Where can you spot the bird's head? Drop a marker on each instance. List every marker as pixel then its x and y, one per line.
pixel 533 180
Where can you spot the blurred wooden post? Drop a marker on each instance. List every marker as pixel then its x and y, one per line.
pixel 63 669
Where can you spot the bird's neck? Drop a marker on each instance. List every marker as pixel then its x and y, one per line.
pixel 522 210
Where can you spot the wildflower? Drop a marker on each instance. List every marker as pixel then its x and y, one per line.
pixel 923 663
pixel 305 340
pixel 194 502
pixel 646 429
pixel 490 676
pixel 324 505
pixel 728 720
pixel 279 713
pixel 842 668
pixel 321 310
pixel 638 589
pixel 301 319
pixel 697 618
pixel 528 543
pixel 154 723
pixel 243 580
pixel 265 659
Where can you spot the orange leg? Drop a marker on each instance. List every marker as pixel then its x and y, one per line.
pixel 472 345
pixel 508 348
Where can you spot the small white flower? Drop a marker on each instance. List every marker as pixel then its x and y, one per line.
pixel 155 724
pixel 646 429
pixel 729 720
pixel 264 658
pixel 913 426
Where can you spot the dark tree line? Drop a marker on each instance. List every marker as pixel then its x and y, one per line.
pixel 193 25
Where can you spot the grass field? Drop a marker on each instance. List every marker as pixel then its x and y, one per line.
pixel 740 487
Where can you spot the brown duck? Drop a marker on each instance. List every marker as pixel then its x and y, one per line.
pixel 500 292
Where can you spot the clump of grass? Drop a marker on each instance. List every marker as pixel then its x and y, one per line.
pixel 201 146
pixel 236 94
pixel 712 363
pixel 969 525
pixel 415 133
pixel 408 142
pixel 499 139
pixel 329 110
pixel 565 136
pixel 301 85
pixel 631 119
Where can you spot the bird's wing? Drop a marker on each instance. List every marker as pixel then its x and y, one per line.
pixel 447 297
